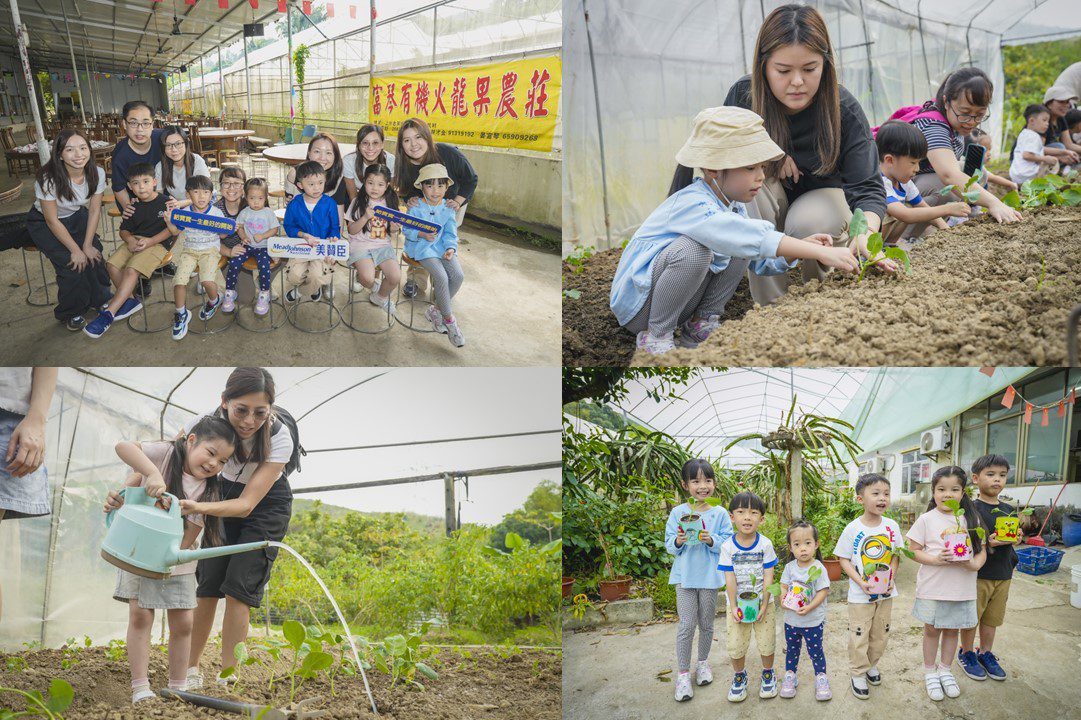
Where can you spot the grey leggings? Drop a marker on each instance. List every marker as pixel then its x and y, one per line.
pixel 696 606
pixel 683 287
pixel 447 277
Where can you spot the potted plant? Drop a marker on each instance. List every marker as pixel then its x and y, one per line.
pixel 747 603
pixel 568 586
pixel 879 578
pixel 957 542
pixel 615 586
pixel 799 593
pixel 1008 524
pixel 828 532
pixel 692 522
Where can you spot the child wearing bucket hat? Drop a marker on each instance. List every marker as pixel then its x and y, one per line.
pixel 687 258
pixel 437 252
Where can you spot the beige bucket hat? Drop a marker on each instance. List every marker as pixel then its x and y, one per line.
pixel 433 171
pixel 1058 92
pixel 727 137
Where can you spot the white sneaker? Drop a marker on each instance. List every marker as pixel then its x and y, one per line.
pixel 357 287
pixel 934 686
pixel 655 345
pixel 684 691
pixel 457 339
pixel 194 678
pixel 387 304
pixel 141 694
pixel 949 683
pixel 703 675
pixel 435 317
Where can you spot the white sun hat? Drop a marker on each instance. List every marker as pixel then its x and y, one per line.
pixel 727 137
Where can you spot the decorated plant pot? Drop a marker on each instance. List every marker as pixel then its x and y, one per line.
pixel 692 524
pixel 959 547
pixel 880 579
pixel 747 602
pixel 1007 529
pixel 797 596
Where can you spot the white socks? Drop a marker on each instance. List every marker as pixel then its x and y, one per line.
pixel 140 691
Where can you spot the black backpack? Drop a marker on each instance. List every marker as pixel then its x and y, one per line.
pixel 282 417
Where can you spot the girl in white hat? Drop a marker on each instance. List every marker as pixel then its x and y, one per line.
pixel 687 258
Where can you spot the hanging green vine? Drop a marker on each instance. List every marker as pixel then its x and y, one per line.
pixel 300 60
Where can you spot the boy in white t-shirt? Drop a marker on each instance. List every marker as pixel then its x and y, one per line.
pixel 901 147
pixel 866 543
pixel 1029 160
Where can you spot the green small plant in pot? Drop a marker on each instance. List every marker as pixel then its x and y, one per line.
pixel 748 601
pixel 692 522
pixel 876 252
pixel 799 593
pixel 616 585
pixel 957 542
pixel 1008 524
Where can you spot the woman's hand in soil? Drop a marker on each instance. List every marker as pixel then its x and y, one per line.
pixel 956 209
pixel 681 537
pixel 114 501
pixel 840 258
pixel 1004 213
pixel 78 261
pixel 789 171
pixel 26 449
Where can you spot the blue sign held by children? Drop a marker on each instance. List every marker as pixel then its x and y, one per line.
pixel 406 220
pixel 198 221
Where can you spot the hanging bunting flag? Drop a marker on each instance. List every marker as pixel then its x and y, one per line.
pixel 223 4
pixel 1073 397
pixel 1007 399
pixel 1028 413
pixel 281 6
pixel 306 7
pixel 1062 408
pixel 330 10
pixel 189 2
pixel 353 11
pixel 373 12
pixel 1043 421
pixel 988 371
pixel 254 4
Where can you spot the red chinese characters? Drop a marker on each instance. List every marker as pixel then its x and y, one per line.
pixel 457 98
pixel 421 102
pixel 391 101
pixel 377 99
pixel 405 97
pixel 537 94
pixel 483 102
pixel 506 97
pixel 438 106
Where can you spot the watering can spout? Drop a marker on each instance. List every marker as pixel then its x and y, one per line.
pixel 211 552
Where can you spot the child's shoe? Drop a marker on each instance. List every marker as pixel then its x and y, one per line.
pixel 949 683
pixel 990 664
pixel 194 678
pixel 75 324
pixel 410 289
pixel 654 345
pixel 769 685
pixel 703 674
pixel 210 307
pixel 435 317
pixel 788 685
pixel 293 295
pixel 181 318
pixel 454 333
pixel 387 304
pixel 130 307
pixel 140 691
pixel 970 664
pixel 694 332
pixel 874 676
pixel 684 691
pixel 738 691
pixel 859 687
pixel 97 327
pixel 229 304
pixel 822 687
pixel 318 295
pixel 933 684
pixel 262 302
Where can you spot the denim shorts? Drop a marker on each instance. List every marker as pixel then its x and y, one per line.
pixel 27 496
pixel 377 255
pixel 945 614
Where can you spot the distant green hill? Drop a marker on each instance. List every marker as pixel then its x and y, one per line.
pixel 427 524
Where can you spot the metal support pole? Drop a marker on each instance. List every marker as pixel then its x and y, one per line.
pixel 435 30
pixel 448 497
pixel 247 78
pixel 600 133
pixel 221 85
pixel 202 84
pixel 289 34
pixel 89 82
pixel 28 77
pixel 371 51
pixel 74 69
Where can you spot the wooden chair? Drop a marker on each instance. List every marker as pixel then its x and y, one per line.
pixel 31 133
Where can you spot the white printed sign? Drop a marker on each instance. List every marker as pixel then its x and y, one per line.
pixel 286 247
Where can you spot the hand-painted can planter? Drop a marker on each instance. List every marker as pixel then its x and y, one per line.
pixel 797 596
pixel 747 602
pixel 692 524
pixel 1007 529
pixel 880 579
pixel 959 547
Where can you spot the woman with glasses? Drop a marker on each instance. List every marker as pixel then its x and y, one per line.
pixel 178 163
pixel 960 105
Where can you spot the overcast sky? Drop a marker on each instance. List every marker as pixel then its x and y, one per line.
pixel 399 405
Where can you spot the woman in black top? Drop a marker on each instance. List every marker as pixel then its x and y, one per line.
pixel 830 166
pixel 416 148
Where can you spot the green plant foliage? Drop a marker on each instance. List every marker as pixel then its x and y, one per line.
pixel 1029 70
pixel 537 520
pixel 969 193
pixel 1049 190
pixel 59 699
pixel 300 61
pixel 877 253
pixel 623 538
pixel 403 656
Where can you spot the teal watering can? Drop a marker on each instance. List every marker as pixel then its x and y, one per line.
pixel 145 540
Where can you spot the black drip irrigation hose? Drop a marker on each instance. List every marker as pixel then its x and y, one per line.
pixel 1071 337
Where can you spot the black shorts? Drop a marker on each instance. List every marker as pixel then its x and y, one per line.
pixel 244 576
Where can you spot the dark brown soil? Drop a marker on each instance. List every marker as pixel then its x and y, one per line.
pixel 980 294
pixel 591 335
pixel 473 683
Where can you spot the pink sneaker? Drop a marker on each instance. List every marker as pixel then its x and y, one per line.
pixel 694 332
pixel 654 345
pixel 822 687
pixel 230 301
pixel 262 303
pixel 788 685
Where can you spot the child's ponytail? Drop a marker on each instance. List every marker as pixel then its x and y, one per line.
pixel 208 428
pixel 683 177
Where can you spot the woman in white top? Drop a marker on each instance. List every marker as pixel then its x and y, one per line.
pixel 176 155
pixel 62 222
pixel 370 151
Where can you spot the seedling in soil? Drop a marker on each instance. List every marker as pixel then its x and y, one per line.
pixel 70 652
pixel 856 227
pixel 59 699
pixel 116 651
pixel 401 657
pixel 969 193
pixel 1049 190
pixel 961 549
pixel 16 664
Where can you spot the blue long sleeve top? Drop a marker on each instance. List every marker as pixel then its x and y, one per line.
pixel 695 566
pixel 321 222
pixel 417 247
pixel 697 213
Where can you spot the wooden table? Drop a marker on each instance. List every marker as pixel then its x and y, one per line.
pixel 298 152
pixel 18 154
pixel 216 138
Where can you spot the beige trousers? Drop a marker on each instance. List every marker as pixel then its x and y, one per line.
pixel 818 211
pixel 309 275
pixel 868 632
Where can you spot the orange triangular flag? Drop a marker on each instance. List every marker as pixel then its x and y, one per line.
pixel 1062 408
pixel 1007 399
pixel 988 371
pixel 1073 396
pixel 1043 422
pixel 1028 413
pixel 353 11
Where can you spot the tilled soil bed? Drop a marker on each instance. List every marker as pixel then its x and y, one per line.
pixel 980 294
pixel 473 683
pixel 591 335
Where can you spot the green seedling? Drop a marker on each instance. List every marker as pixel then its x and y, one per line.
pixel 402 657
pixel 16 664
pixel 70 653
pixel 116 651
pixel 60 698
pixel 958 513
pixel 1048 190
pixel 813 574
pixel 970 194
pixel 856 227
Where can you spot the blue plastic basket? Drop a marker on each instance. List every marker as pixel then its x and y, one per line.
pixel 1035 560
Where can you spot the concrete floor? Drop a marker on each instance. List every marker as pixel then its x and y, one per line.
pixel 508 309
pixel 612 673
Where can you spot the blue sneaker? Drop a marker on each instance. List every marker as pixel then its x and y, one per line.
pixel 181 318
pixel 210 307
pixel 971 665
pixel 738 691
pixel 130 307
pixel 410 289
pixel 97 327
pixel 769 685
pixel 990 664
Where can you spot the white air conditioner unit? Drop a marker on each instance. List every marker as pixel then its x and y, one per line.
pixel 878 464
pixel 935 440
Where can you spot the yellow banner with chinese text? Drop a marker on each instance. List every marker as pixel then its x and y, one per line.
pixel 511 104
